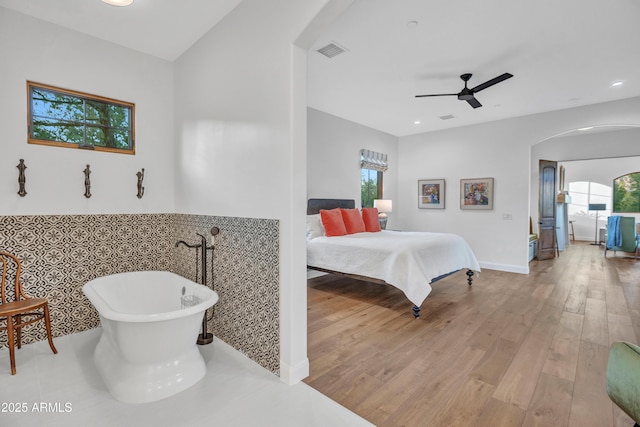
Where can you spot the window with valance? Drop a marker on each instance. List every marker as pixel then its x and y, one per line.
pixel 372 166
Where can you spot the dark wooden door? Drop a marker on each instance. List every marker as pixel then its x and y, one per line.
pixel 547 210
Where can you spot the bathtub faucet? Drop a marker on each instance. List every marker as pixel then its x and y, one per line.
pixel 204 337
pixel 179 242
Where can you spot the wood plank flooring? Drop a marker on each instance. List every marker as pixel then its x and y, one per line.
pixel 511 350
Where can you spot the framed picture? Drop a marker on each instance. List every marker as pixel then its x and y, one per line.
pixel 476 193
pixel 431 194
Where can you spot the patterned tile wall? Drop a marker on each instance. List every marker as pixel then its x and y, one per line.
pixel 243 268
pixel 60 253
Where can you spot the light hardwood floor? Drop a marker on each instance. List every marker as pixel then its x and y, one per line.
pixel 511 350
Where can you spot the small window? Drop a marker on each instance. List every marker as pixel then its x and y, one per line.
pixel 626 194
pixel 372 166
pixel 66 118
pixel 371 187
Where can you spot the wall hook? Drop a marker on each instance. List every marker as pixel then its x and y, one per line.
pixel 87 182
pixel 140 176
pixel 21 178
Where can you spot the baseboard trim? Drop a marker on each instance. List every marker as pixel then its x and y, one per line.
pixel 294 374
pixel 509 268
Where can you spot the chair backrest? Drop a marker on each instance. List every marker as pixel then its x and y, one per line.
pixel 10 287
pixel 628 232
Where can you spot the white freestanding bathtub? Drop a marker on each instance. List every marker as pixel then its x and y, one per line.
pixel 150 323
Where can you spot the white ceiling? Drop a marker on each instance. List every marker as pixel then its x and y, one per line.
pixel 162 28
pixel 562 53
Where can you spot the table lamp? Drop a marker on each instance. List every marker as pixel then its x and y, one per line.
pixel 383 206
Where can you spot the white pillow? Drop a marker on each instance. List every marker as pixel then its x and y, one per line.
pixel 314 227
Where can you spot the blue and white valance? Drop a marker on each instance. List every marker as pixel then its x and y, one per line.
pixel 373 160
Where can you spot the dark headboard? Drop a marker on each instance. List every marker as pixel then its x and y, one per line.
pixel 314 205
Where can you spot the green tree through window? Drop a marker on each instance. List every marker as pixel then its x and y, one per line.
pixel 372 166
pixel 626 193
pixel 61 117
pixel 371 187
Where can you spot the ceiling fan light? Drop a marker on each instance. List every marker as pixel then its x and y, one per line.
pixel 118 2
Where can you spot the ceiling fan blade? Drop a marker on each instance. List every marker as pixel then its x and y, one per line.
pixel 492 82
pixel 474 103
pixel 439 94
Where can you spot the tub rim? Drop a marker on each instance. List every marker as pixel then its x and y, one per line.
pixel 105 310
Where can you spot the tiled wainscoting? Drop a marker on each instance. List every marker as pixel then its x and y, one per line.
pixel 60 253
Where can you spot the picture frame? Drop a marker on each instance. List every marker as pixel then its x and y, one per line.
pixel 431 194
pixel 476 194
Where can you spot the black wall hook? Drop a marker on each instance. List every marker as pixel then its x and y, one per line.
pixel 21 178
pixel 140 176
pixel 87 182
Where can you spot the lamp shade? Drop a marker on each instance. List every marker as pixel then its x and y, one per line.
pixel 383 205
pixel 597 206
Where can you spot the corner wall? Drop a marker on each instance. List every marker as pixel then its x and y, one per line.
pixel 238 149
pixel 60 253
pixel 66 239
pixel 36 50
pixel 333 158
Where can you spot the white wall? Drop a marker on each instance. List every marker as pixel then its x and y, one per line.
pixel 602 171
pixel 240 151
pixel 333 158
pixel 502 150
pixel 481 151
pixel 35 50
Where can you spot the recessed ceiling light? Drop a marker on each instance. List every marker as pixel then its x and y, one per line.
pixel 617 83
pixel 118 2
pixel 412 24
pixel 417 122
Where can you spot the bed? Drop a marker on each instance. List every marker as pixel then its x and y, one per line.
pixel 409 261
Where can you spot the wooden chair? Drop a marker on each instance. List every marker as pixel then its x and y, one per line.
pixel 18 309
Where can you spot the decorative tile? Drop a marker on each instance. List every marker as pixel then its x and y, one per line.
pixel 60 253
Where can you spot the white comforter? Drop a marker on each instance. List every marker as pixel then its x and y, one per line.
pixel 406 260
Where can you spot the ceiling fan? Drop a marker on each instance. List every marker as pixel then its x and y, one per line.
pixel 466 94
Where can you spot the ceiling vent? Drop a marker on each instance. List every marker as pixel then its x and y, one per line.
pixel 447 117
pixel 331 50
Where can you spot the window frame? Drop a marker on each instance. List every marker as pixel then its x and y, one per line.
pixel 614 199
pixel 379 185
pixel 84 97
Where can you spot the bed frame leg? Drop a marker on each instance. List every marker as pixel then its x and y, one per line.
pixel 416 311
pixel 469 274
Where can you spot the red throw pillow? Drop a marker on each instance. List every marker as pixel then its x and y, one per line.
pixel 370 219
pixel 332 222
pixel 353 221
